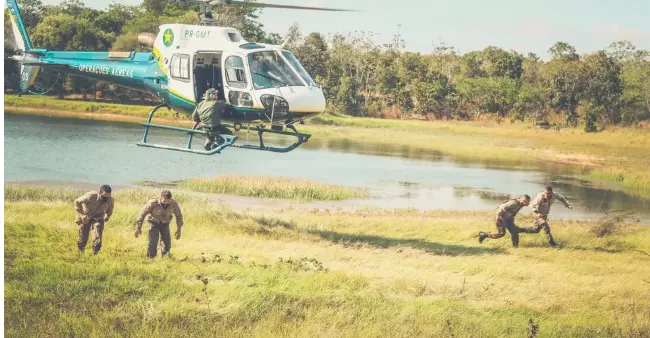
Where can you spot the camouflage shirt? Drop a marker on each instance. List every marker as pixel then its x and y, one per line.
pixel 541 205
pixel 155 213
pixel 508 210
pixel 209 113
pixel 89 205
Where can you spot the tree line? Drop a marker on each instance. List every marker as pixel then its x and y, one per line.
pixel 363 78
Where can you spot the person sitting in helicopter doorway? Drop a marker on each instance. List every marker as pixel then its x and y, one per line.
pixel 541 206
pixel 209 112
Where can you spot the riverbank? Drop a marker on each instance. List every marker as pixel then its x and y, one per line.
pixel 308 273
pixel 265 187
pixel 616 155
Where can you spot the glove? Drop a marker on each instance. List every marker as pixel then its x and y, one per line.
pixel 106 219
pixel 138 232
pixel 80 220
pixel 177 234
pixel 570 206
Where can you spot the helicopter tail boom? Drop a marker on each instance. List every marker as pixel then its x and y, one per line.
pixel 23 46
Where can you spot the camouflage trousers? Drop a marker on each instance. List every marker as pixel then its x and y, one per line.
pixel 541 222
pixel 158 232
pixel 84 233
pixel 213 136
pixel 502 225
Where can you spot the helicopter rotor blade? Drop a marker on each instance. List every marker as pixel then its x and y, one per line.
pixel 267 5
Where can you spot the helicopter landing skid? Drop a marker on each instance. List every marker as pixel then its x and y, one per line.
pixel 227 140
pixel 302 138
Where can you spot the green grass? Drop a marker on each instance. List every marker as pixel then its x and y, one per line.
pixel 46 105
pixel 272 187
pixel 296 273
pixel 18 192
pixel 617 155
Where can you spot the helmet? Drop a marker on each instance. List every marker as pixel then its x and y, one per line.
pixel 210 94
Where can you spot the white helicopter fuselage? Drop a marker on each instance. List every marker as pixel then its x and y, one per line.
pixel 262 82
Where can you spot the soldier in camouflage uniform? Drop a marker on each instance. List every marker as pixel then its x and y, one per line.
pixel 159 213
pixel 505 219
pixel 209 112
pixel 541 206
pixel 91 208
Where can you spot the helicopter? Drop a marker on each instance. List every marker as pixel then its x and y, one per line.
pixel 262 83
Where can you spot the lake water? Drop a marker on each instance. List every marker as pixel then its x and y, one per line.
pixel 65 150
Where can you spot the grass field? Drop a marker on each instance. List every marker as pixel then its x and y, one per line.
pixel 272 187
pixel 616 155
pixel 311 273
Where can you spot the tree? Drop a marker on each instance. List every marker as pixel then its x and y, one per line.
pixel 563 51
pixel 493 62
pixel 115 18
pixel 446 60
pixel 155 7
pixel 272 39
pixel 73 7
pixel 361 76
pixel 242 18
pixel 31 11
pixel 491 95
pixel 564 78
pixel 621 51
pixel 313 55
pixel 603 88
pixel 126 43
pixel 636 87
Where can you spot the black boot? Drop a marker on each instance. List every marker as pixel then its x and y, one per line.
pixel 551 242
pixel 481 236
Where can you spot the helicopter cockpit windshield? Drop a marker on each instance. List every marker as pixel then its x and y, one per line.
pixel 297 66
pixel 269 70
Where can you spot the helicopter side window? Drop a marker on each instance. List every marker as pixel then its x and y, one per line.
pixel 235 74
pixel 180 66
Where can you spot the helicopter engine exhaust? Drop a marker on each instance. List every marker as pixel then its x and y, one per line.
pixel 146 39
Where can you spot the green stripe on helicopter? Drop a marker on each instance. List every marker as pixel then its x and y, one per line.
pixel 183 102
pixel 181 97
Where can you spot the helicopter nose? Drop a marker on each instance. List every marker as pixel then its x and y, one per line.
pixel 305 99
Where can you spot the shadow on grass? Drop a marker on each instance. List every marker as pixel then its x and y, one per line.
pixel 349 240
pixel 564 246
pixel 269 222
pixel 597 249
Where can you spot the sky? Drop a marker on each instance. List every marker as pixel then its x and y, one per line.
pixel 522 25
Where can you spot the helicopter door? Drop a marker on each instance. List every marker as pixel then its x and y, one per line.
pixel 180 84
pixel 207 74
pixel 236 83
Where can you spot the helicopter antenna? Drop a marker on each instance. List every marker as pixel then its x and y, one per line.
pixel 284 43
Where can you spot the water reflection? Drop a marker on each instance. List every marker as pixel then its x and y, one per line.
pixel 377 149
pixel 42 148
